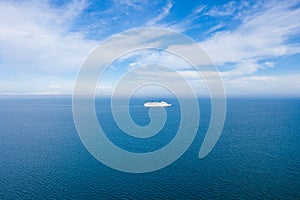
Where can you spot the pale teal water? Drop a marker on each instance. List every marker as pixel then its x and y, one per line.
pixel 257 156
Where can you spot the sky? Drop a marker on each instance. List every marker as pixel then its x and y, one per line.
pixel 254 44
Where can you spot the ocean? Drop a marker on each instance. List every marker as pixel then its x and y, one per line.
pixel 256 157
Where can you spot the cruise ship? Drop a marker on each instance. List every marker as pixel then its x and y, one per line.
pixel 157 104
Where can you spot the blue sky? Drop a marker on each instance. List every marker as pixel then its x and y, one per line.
pixel 255 44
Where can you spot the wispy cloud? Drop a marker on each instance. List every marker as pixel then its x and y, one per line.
pixel 229 9
pixel 214 28
pixel 261 35
pixel 164 13
pixel 189 21
pixel 135 4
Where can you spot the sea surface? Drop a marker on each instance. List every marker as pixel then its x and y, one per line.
pixel 256 157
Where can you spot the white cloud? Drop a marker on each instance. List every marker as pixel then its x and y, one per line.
pixel 37 46
pixel 164 13
pixel 36 37
pixel 260 36
pixel 188 22
pixel 133 42
pixel 161 58
pixel 214 28
pixel 227 9
pixel 135 4
pixel 263 33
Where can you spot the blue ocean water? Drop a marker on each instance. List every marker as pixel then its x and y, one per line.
pixel 257 155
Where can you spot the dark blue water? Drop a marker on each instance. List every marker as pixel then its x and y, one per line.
pixel 257 156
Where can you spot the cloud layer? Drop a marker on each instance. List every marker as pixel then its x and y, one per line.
pixel 36 40
pixel 43 45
